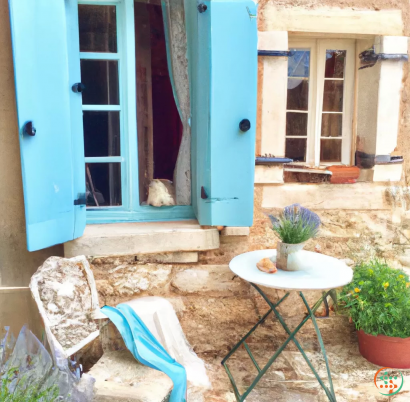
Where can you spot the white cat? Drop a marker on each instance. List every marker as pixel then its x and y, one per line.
pixel 161 193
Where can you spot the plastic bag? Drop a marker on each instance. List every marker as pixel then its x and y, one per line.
pixel 7 342
pixel 29 371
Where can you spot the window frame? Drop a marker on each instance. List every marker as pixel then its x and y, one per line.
pixel 317 79
pixel 130 210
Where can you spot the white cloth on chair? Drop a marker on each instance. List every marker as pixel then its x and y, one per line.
pixel 159 316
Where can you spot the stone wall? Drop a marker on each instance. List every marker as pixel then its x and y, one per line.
pixel 216 308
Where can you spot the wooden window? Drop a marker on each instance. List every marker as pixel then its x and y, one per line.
pixel 319 111
pixel 52 112
pixel 132 128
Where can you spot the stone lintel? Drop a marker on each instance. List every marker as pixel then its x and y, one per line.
pixel 142 238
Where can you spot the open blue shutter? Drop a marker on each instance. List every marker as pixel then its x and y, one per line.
pixel 224 81
pixel 46 65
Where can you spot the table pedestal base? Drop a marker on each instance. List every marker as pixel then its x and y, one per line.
pixel 261 371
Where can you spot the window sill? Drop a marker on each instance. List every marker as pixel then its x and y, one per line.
pixel 142 238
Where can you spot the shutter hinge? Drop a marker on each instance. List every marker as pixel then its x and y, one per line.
pixel 81 200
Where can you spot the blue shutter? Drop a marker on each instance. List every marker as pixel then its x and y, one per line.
pixel 46 65
pixel 223 55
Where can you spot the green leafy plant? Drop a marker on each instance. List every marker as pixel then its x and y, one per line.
pixel 16 387
pixel 296 224
pixel 378 300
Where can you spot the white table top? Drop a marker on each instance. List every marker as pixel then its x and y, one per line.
pixel 319 272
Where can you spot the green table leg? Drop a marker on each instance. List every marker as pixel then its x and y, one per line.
pixel 261 371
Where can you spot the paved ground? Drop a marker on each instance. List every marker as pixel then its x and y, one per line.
pixel 289 379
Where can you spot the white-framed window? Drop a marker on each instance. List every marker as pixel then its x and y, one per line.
pixel 319 110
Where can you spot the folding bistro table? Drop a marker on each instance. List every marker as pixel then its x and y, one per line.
pixel 318 272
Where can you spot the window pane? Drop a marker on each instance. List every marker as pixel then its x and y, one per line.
pixel 100 78
pixel 330 150
pixel 298 94
pixel 98 28
pixel 298 63
pixel 103 182
pixel 101 133
pixel 335 63
pixel 296 124
pixel 331 125
pixel 333 96
pixel 296 149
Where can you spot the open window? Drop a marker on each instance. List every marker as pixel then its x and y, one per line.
pixel 132 126
pixel 104 92
pixel 319 111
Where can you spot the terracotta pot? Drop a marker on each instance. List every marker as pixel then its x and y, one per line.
pixel 385 351
pixel 288 256
pixel 344 174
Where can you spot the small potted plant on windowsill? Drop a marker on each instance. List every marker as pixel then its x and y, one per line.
pixel 378 302
pixel 294 227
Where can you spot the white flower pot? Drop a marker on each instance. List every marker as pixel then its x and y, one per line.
pixel 288 257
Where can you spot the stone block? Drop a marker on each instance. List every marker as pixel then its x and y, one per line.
pixel 168 258
pixel 235 231
pixel 269 174
pixel 388 173
pixel 273 40
pixel 229 248
pixel 119 377
pixel 391 44
pixel 142 238
pixel 130 280
pixel 216 280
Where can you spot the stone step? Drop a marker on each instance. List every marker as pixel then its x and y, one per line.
pixel 120 377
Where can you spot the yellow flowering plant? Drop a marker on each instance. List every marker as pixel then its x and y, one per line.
pixel 378 299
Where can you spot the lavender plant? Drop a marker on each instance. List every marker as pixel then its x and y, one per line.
pixel 296 224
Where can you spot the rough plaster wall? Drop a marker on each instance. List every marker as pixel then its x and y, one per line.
pixel 16 263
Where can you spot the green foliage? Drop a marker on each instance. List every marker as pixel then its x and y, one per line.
pixel 378 300
pixel 24 390
pixel 294 231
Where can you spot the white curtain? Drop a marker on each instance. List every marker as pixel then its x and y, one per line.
pixel 176 41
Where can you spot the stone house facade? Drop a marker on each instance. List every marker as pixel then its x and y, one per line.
pixel 188 263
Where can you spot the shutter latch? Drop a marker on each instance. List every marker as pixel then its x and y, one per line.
pixel 78 87
pixel 202 7
pixel 81 200
pixel 204 195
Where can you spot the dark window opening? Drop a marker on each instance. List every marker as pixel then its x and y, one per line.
pixel 158 122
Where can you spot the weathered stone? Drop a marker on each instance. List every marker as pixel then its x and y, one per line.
pixel 405 261
pixel 120 377
pixel 291 306
pixel 168 258
pixel 64 291
pixel 129 280
pixel 235 231
pixel 140 238
pixel 228 249
pixel 217 280
pixel 214 325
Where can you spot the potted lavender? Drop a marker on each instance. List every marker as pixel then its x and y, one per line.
pixel 294 227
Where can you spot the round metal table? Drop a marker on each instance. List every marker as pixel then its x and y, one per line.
pixel 317 272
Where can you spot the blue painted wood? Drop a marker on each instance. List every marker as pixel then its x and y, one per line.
pixel 223 56
pixel 77 136
pixel 51 175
